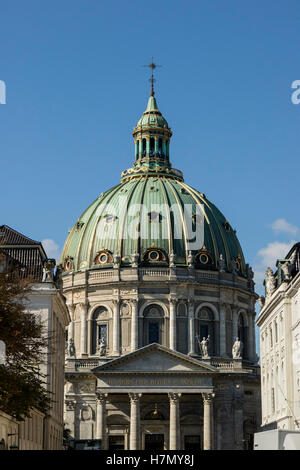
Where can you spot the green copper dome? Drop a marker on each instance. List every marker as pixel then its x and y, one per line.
pixel 143 220
pixel 152 117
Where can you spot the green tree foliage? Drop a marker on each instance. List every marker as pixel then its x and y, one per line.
pixel 21 383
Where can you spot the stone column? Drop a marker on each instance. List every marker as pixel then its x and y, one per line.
pixel 83 335
pixel 222 330
pixel 174 442
pixel 172 332
pixel 101 418
pixel 116 329
pixel 134 442
pixel 134 325
pixel 191 327
pixel 207 421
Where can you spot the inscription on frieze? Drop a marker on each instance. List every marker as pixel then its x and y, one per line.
pixel 158 382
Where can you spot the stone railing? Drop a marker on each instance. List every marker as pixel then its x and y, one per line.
pixel 154 272
pixel 75 364
pixel 101 276
pixel 222 363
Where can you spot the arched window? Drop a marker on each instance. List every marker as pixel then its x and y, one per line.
pixel 153 325
pixel 99 328
pixel 143 147
pixel 152 145
pixel 204 329
pixel 182 328
pixel 160 146
pixel 137 149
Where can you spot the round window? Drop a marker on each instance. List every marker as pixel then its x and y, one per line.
pixel 154 255
pixel 203 259
pixel 103 258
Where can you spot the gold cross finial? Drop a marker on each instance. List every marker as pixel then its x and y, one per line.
pixel 152 66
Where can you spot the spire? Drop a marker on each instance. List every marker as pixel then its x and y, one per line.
pixel 152 66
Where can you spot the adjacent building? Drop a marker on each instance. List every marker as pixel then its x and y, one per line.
pixel 46 301
pixel 279 324
pixel 161 344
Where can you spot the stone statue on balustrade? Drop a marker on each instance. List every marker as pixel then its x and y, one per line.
pixel 204 346
pixel 237 349
pixel 102 347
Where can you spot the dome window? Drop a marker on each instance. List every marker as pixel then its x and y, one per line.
pixel 203 258
pixel 154 217
pixel 68 264
pixel 110 219
pixel 238 262
pixel 227 226
pixel 154 255
pixel 79 225
pixel 103 257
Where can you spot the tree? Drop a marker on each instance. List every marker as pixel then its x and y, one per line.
pixel 21 383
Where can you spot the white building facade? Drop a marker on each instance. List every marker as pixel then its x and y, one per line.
pixel 279 324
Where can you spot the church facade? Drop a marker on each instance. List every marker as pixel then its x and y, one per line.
pixel 161 344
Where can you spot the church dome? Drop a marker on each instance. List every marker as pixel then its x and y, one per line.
pixel 152 218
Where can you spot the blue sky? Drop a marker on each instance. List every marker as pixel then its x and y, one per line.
pixel 76 88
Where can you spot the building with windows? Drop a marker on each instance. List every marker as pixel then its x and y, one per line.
pixel 45 300
pixel 279 324
pixel 158 292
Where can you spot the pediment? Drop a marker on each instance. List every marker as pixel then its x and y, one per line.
pixel 155 358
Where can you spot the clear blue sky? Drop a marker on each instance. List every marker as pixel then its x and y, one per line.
pixel 76 87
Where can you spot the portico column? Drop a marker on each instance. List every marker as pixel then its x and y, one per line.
pixel 191 328
pixel 101 418
pixel 174 421
pixel 207 421
pixel 222 330
pixel 83 342
pixel 134 325
pixel 134 442
pixel 116 329
pixel 172 332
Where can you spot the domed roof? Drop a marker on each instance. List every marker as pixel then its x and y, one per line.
pixel 152 217
pixel 109 226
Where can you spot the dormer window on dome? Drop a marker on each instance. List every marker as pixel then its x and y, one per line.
pixel 103 257
pixel 68 263
pixel 203 258
pixel 154 255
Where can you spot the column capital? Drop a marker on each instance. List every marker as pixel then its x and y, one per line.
pixel 134 397
pixel 191 301
pixel 115 302
pixel 133 302
pixel 174 397
pixel 173 301
pixel 208 398
pixel 101 397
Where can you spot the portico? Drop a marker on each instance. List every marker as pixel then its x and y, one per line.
pixel 139 379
